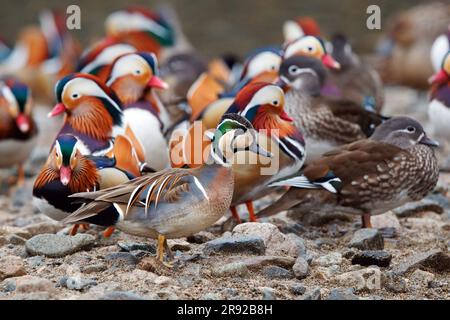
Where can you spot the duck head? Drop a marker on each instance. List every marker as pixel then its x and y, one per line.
pixel 133 74
pixel 443 76
pixel 89 106
pixel 310 46
pixel 234 134
pixel 302 73
pixel 261 66
pixel 19 100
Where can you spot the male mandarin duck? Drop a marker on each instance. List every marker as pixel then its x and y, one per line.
pixel 301 26
pixel 439 49
pixel 176 203
pixel 18 131
pixel 439 107
pixel 325 122
pixel 394 166
pixel 68 171
pixel 355 80
pixel 133 78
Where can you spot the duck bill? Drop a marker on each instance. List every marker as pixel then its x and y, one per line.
pixel 429 142
pixel 438 78
pixel 65 174
pixel 285 116
pixel 57 110
pixel 329 61
pixel 158 83
pixel 256 148
pixel 23 123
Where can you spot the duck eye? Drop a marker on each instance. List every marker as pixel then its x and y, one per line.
pixel 410 129
pixel 275 102
pixel 310 49
pixel 137 72
pixel 75 96
pixel 293 70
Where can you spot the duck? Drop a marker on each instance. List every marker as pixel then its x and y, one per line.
pixel 439 49
pixel 439 106
pixel 394 166
pixel 325 122
pixel 134 77
pixel 176 202
pixel 68 171
pixel 18 130
pixel 355 80
pixel 299 27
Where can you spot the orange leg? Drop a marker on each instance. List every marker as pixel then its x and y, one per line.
pixel 20 175
pixel 108 232
pixel 365 220
pixel 235 214
pixel 74 229
pixel 85 226
pixel 251 211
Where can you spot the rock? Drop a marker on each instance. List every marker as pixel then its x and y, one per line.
pixel 236 244
pixel 3 241
pixel 412 208
pixel 385 220
pixel 298 289
pixel 77 283
pixel 367 239
pixel 277 243
pixel 56 246
pixel 349 253
pixel 11 266
pixel 313 294
pixel 201 237
pixel 422 277
pixel 258 262
pixel 333 258
pixel 437 284
pixel 167 295
pixel 342 294
pixel 93 268
pixel 435 260
pixel 234 269
pixel 133 246
pixel 121 295
pixel 301 268
pixel 326 273
pixel 300 242
pixel 179 245
pixel 28 284
pixel 210 296
pixel 372 258
pixel 43 227
pixel 274 272
pixel 388 233
pixel 364 279
pixel 268 293
pixel 35 261
pixel 120 259
pixel 163 281
pixel 16 240
pixel 394 282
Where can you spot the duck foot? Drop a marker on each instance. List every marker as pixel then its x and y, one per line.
pixel 235 215
pixel 162 245
pixel 251 211
pixel 108 232
pixel 365 221
pixel 74 230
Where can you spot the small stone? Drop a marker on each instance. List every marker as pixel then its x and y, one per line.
pixel 326 273
pixel 394 282
pixel 301 268
pixel 367 239
pixel 435 260
pixel 200 237
pixel 235 269
pixel 274 272
pixel 167 295
pixel 210 296
pixel 422 277
pixel 56 246
pixel 28 284
pixel 118 259
pixel 372 258
pixel 93 268
pixel 35 261
pixel 16 240
pixel 333 258
pixel 268 293
pixel 313 294
pixel 236 244
pixel 77 283
pixel 364 279
pixel 179 245
pixel 388 233
pixel 162 281
pixel 349 253
pixel 342 294
pixel 259 262
pixel 121 295
pixel 433 284
pixel 298 289
pixel 133 246
pixel 11 266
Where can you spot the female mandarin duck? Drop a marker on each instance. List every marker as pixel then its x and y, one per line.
pixel 68 171
pixel 439 108
pixel 133 78
pixel 325 122
pixel 176 203
pixel 18 131
pixel 394 166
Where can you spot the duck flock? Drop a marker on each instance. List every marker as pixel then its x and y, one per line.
pixel 159 142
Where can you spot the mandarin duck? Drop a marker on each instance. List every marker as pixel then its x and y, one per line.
pixel 439 49
pixel 18 131
pixel 368 177
pixel 325 122
pixel 133 78
pixel 176 203
pixel 68 171
pixel 439 107
pixel 355 80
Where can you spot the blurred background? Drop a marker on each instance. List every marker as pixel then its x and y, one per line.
pixel 215 27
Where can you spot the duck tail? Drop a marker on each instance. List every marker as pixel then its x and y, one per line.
pixel 125 155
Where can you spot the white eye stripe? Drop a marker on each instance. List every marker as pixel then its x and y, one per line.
pixel 107 56
pixel 265 95
pixel 126 65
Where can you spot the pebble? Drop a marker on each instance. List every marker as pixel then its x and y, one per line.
pixel 301 268
pixel 268 293
pixel 435 260
pixel 313 294
pixel 364 279
pixel 11 266
pixel 200 237
pixel 393 282
pixel 93 268
pixel 166 295
pixel 179 245
pixel 277 243
pixel 422 277
pixel 121 295
pixel 367 239
pixel 77 283
pixel 28 284
pixel 210 296
pixel 298 289
pixel 35 261
pixel 372 258
pixel 259 262
pixel 236 244
pixel 134 246
pixel 342 294
pixel 333 258
pixel 120 259
pixel 234 269
pixel 56 246
pixel 274 272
